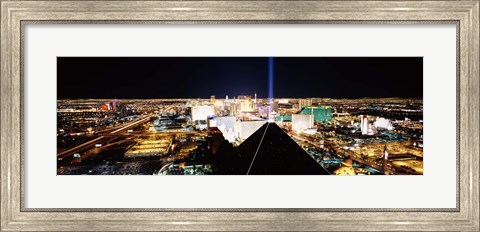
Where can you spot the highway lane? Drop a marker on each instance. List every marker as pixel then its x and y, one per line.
pixel 131 125
pixel 79 147
pixel 100 139
pixel 97 150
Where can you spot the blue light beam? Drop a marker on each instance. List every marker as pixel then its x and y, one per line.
pixel 270 77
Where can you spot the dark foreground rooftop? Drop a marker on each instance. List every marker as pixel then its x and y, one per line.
pixel 268 151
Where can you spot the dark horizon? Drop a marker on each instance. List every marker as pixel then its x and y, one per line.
pixel 201 77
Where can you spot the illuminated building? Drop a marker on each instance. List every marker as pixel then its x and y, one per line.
pixel 304 102
pixel 371 130
pixel 106 107
pixel 151 146
pixel 364 124
pixel 201 124
pixel 275 106
pixel 383 124
pixel 302 121
pixel 233 108
pixel 263 111
pixel 271 110
pixel 246 128
pixel 212 99
pixel 122 110
pixel 115 104
pixel 320 113
pixel 235 130
pixel 310 131
pixel 246 105
pixel 202 112
pixel 226 125
pixel 385 160
pixel 282 118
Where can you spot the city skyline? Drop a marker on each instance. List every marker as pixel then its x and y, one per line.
pixel 202 77
pixel 240 116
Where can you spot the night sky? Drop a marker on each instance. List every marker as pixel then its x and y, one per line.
pixel 201 77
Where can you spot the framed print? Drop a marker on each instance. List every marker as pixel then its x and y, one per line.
pixel 239 115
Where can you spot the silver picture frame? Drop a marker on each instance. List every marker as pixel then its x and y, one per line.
pixel 16 14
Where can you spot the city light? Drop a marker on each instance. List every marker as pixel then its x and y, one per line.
pixel 254 132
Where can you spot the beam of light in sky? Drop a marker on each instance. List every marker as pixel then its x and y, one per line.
pixel 270 77
pixel 270 88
